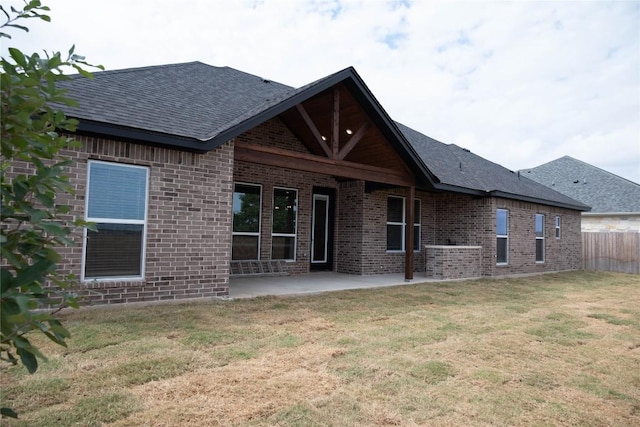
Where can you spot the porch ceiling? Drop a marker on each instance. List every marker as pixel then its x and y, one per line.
pixel 335 115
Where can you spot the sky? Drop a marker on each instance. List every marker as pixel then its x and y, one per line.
pixel 519 83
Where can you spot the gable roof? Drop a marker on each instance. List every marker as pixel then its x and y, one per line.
pixel 602 190
pixel 198 107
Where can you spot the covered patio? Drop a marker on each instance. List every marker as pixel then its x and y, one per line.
pixel 313 283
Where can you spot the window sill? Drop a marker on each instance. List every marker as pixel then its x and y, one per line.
pixel 115 282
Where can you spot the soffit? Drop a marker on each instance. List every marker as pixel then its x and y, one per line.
pixel 349 120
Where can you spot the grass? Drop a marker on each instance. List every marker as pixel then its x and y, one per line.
pixel 560 349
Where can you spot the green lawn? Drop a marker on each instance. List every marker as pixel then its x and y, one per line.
pixel 550 350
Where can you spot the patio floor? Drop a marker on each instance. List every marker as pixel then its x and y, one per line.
pixel 317 282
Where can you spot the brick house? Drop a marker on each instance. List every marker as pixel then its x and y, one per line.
pixel 195 173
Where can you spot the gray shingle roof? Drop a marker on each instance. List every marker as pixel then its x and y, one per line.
pixel 458 167
pixel 202 103
pixel 192 100
pixel 602 190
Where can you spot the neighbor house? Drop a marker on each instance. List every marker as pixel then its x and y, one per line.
pixel 195 174
pixel 614 201
pixel 611 230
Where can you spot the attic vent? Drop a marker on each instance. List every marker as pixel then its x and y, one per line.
pixel 466 149
pixel 266 81
pixel 576 181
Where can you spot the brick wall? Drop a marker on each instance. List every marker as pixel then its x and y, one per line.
pixel 560 254
pixel 457 219
pixel 375 257
pixel 188 227
pixel 349 228
pixel 453 262
pixel 274 134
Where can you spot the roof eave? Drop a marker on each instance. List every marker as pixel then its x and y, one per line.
pixel 577 206
pixel 138 135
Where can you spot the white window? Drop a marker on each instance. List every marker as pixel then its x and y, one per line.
pixel 539 238
pixel 247 204
pixel 502 236
pixel 116 202
pixel 285 212
pixel 558 232
pixel 396 224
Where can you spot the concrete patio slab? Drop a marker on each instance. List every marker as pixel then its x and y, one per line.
pixel 317 282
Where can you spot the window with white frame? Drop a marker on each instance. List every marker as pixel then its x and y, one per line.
pixel 502 236
pixel 396 224
pixel 558 232
pixel 539 231
pixel 116 202
pixel 245 240
pixel 283 235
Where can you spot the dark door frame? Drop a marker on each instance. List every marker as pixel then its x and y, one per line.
pixel 331 193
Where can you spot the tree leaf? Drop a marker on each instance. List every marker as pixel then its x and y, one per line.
pixel 28 359
pixel 33 273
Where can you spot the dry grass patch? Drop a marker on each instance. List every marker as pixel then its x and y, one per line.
pixel 550 350
pixel 246 390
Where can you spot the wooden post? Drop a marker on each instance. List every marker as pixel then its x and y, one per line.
pixel 335 125
pixel 408 234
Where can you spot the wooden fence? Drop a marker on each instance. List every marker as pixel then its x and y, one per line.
pixel 613 251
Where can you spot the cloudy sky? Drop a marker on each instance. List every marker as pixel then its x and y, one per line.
pixel 519 83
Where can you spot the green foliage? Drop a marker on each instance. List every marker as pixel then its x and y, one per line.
pixel 34 224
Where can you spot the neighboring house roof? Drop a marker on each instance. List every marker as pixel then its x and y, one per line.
pixel 602 190
pixel 198 107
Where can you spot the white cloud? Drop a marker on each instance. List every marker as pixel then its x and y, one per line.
pixel 519 83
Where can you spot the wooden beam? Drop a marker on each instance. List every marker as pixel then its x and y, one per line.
pixel 408 236
pixel 335 124
pixel 314 130
pixel 311 163
pixel 355 138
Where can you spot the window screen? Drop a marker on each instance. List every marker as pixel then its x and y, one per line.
pixel 117 204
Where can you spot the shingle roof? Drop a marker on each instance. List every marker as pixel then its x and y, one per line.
pixel 198 106
pixel 458 167
pixel 192 100
pixel 602 190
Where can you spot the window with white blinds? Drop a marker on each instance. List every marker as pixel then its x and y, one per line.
pixel 117 204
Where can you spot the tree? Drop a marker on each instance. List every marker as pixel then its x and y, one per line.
pixel 34 225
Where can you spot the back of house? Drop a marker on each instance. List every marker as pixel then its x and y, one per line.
pixel 195 174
